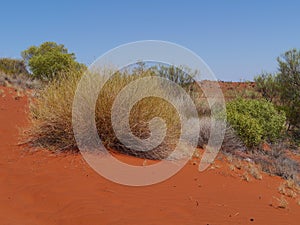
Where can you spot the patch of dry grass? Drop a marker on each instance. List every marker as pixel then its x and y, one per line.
pixel 277 162
pixel 281 202
pixel 274 161
pixel 254 170
pixel 249 168
pixel 51 116
pixel 289 188
pixel 246 177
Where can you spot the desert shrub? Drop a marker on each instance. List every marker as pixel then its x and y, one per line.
pixel 283 87
pixel 247 128
pixel 12 67
pixel 288 80
pixel 180 75
pixel 49 60
pixel 274 161
pixel 51 115
pixel 267 85
pixel 140 115
pixel 255 120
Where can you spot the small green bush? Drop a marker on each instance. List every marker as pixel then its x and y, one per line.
pixel 247 128
pixel 255 120
pixel 49 60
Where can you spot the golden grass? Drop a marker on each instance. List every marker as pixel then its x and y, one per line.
pixel 51 116
pixel 254 171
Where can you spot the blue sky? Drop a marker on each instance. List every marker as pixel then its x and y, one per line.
pixel 237 39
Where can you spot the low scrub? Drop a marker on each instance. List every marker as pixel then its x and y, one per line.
pixel 276 161
pixel 13 72
pixel 20 81
pixel 12 66
pixel 255 120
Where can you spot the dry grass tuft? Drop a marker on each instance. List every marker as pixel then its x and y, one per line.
pixel 282 203
pixel 274 161
pixel 289 189
pixel 51 116
pixel 254 171
pixel 246 177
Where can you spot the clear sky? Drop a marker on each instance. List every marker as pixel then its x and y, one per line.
pixel 237 39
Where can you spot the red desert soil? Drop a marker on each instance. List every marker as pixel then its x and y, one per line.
pixel 43 188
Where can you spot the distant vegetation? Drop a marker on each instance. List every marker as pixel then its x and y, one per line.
pixel 13 72
pixel 47 61
pixel 283 89
pixel 39 66
pixel 12 66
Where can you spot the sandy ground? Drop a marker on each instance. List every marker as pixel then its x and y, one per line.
pixel 43 188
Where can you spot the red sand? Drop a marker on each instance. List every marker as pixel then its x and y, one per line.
pixel 42 188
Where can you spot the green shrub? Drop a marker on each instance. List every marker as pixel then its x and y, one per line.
pixel 283 87
pixel 288 80
pixel 49 60
pixel 255 120
pixel 246 127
